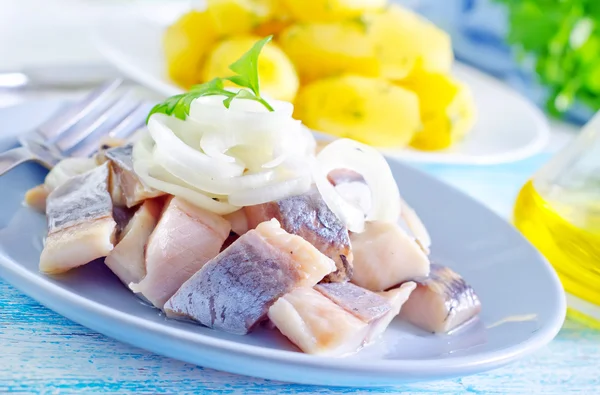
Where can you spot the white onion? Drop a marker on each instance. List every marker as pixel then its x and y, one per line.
pixel 350 215
pixel 280 190
pixel 368 162
pixel 175 147
pixel 221 159
pixel 144 171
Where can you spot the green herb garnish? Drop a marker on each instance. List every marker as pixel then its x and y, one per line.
pixel 246 69
pixel 563 39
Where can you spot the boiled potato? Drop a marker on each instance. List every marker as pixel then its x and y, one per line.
pixel 330 10
pixel 447 109
pixel 280 19
pixel 278 77
pixel 233 17
pixel 405 41
pixel 371 110
pixel 185 44
pixel 325 50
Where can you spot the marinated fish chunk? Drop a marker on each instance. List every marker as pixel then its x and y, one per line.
pixel 442 302
pixel 234 291
pixel 238 221
pixel 133 190
pixel 396 298
pixel 316 325
pixel 185 238
pixel 308 216
pixel 385 256
pixel 336 318
pixel 362 303
pixel 127 259
pixel 81 227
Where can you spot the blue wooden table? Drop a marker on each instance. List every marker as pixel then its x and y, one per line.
pixel 43 353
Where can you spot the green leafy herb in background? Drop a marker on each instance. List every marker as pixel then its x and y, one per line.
pixel 246 68
pixel 564 38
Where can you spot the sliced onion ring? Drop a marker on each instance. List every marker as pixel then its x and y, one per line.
pixel 350 215
pixel 197 160
pixel 369 163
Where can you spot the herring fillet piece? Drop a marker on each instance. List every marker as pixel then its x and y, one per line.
pixel 185 238
pixel 336 318
pixel 127 259
pixel 316 325
pixel 362 303
pixel 442 302
pixel 386 256
pixel 234 291
pixel 81 227
pixel 132 189
pixel 308 216
pixel 396 298
pixel 238 221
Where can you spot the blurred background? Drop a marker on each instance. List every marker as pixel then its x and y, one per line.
pixel 536 46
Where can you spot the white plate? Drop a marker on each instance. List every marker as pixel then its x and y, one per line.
pixel 523 302
pixel 509 127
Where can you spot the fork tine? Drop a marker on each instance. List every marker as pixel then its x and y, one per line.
pixel 56 126
pixel 101 122
pixel 122 113
pixel 134 120
pixel 129 122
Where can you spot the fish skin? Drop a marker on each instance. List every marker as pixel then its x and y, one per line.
pixel 122 216
pixel 185 238
pixel 308 216
pixel 362 303
pixel 81 227
pixel 442 302
pixel 132 190
pixel 234 291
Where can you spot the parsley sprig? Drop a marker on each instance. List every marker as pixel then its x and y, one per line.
pixel 246 69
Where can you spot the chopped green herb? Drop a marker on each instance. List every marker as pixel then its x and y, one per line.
pixel 246 78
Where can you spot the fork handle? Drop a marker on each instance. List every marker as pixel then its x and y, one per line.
pixel 14 157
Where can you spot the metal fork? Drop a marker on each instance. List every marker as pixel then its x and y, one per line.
pixel 78 129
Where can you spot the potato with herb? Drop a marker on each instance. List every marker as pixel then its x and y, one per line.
pixel 328 49
pixel 405 41
pixel 447 109
pixel 233 17
pixel 185 45
pixel 278 78
pixel 330 10
pixel 370 110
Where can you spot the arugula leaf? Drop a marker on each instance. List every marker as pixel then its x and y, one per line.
pixel 246 68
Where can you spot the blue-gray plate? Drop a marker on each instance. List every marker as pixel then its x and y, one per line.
pixel 523 301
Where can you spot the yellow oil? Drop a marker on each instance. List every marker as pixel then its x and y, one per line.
pixel 567 232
